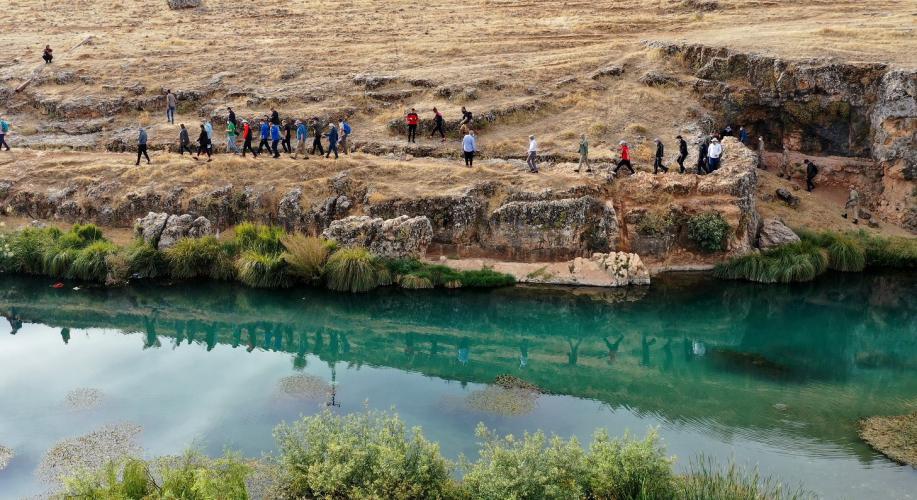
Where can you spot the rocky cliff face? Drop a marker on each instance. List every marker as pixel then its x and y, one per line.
pixel 819 107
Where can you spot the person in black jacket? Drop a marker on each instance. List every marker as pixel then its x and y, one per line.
pixel 657 164
pixel 203 144
pixel 184 141
pixel 275 117
pixel 811 172
pixel 682 153
pixel 317 137
pixel 702 156
pixel 232 116
pixel 438 123
pixel 287 137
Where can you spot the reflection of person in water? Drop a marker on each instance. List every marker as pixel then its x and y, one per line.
pixel 689 355
pixel 667 351
pixel 210 336
pixel 613 348
pixel 524 353
pixel 434 348
pixel 464 351
pixel 573 355
pixel 319 341
pixel 299 361
pixel 152 339
pixel 236 336
pixel 645 344
pixel 65 335
pixel 409 344
pixel 252 338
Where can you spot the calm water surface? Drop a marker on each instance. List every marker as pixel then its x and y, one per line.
pixel 773 376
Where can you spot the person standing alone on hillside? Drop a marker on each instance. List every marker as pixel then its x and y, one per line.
pixel 184 141
pixel 852 207
pixel 171 104
pixel 141 147
pixel 469 146
pixel 412 120
pixel 317 137
pixel 533 154
pixel 624 160
pixel 47 54
pixel 438 123
pixel 682 153
pixel 4 129
pixel 583 154
pixel 657 162
pixel 811 172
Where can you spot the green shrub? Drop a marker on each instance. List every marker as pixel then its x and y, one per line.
pixel 355 270
pixel 799 261
pixel 531 467
pixel 627 468
pixel 57 263
pixel 655 223
pixel 260 270
pixel 87 233
pixel 145 260
pixel 201 257
pixel 305 255
pixel 705 480
pixel 895 252
pixel 91 263
pixel 846 254
pixel 709 230
pixel 440 275
pixel 360 455
pixel 30 246
pixel 414 282
pixel 258 237
pixel 486 278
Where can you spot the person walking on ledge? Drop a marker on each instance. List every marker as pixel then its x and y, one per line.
pixel 852 207
pixel 811 172
pixel 171 104
pixel 287 141
pixel 583 154
pixel 265 131
pixel 4 129
pixel 702 147
pixel 275 139
pixel 184 141
pixel 247 139
pixel 203 144
pixel 624 160
pixel 141 147
pixel 412 120
pixel 301 133
pixel 469 146
pixel 682 153
pixel 231 133
pixel 317 137
pixel 438 123
pixel 332 141
pixel 344 130
pixel 533 154
pixel 714 152
pixel 657 163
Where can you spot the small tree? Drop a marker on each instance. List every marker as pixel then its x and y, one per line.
pixel 709 230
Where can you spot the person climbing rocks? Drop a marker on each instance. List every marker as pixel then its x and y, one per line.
pixel 761 152
pixel 47 54
pixel 203 144
pixel 184 141
pixel 743 135
pixel 852 207
pixel 682 153
pixel 467 118
pixel 438 125
pixel 412 120
pixel 265 137
pixel 785 163
pixel 301 135
pixel 141 146
pixel 209 128
pixel 702 147
pixel 232 116
pixel 811 172
pixel 657 162
pixel 533 155
pixel 469 147
pixel 714 153
pixel 727 132
pixel 583 154
pixel 231 133
pixel 4 129
pixel 275 139
pixel 171 104
pixel 317 137
pixel 275 117
pixel 624 158
pixel 287 141
pixel 345 130
pixel 247 139
pixel 332 141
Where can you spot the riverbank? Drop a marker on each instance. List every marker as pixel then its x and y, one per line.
pixel 895 437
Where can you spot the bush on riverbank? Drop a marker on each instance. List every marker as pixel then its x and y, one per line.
pixel 817 252
pixel 709 230
pixel 374 455
pixel 257 256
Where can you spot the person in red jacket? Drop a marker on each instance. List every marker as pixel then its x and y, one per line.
pixel 247 139
pixel 625 158
pixel 412 120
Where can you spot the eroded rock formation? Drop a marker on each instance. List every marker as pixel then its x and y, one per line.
pixel 163 230
pixel 401 237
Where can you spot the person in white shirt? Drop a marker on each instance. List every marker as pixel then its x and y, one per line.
pixel 714 152
pixel 533 152
pixel 469 146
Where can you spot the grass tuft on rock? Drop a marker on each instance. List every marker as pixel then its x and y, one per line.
pixel 355 270
pixel 305 255
pixel 445 276
pixel 414 282
pixel 91 263
pixel 259 237
pixel 260 270
pixel 200 258
pixel 145 260
pixel 799 261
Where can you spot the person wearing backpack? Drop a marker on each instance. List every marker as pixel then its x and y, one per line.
pixel 4 129
pixel 345 131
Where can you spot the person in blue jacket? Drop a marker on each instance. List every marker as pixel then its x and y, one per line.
pixel 302 132
pixel 332 141
pixel 275 139
pixel 265 134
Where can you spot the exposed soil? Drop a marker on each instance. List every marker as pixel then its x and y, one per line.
pixel 895 437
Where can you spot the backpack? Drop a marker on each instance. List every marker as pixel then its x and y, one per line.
pixel 347 128
pixel 4 126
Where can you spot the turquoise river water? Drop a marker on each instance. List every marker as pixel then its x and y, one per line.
pixel 769 376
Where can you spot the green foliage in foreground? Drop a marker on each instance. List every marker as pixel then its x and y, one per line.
pixel 709 230
pixel 373 455
pixel 439 275
pixel 817 252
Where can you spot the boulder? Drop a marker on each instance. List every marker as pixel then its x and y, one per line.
pixel 611 269
pixel 184 4
pixel 150 227
pixel 657 79
pixel 612 70
pixel 775 233
pixel 163 230
pixel 788 197
pixel 401 237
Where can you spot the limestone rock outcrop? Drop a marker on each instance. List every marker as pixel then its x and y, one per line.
pixel 163 230
pixel 184 4
pixel 613 269
pixel 774 233
pixel 400 237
